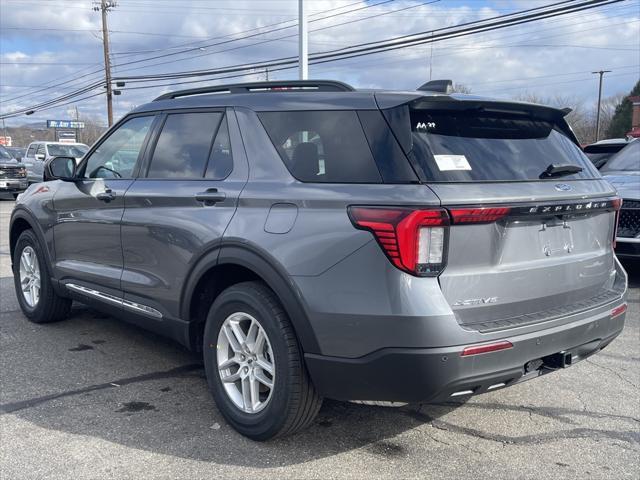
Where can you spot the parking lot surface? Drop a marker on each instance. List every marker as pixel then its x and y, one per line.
pixel 92 397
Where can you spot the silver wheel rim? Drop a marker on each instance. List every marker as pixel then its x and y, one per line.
pixel 245 362
pixel 30 276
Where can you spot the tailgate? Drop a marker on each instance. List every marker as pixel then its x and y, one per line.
pixel 550 256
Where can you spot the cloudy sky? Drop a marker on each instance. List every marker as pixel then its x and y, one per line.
pixel 49 48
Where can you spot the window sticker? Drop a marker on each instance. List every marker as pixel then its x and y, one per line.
pixel 452 162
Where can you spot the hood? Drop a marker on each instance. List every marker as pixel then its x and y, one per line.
pixel 627 184
pixel 10 164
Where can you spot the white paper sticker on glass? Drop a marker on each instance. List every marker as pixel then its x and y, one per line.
pixel 452 162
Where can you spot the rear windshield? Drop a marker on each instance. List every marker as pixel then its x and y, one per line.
pixel 627 160
pixel 471 146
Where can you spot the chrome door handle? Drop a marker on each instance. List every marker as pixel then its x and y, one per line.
pixel 106 196
pixel 210 196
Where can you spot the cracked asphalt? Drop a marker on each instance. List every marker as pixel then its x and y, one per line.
pixel 92 397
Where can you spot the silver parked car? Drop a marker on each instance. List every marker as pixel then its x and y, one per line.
pixel 38 153
pixel 623 171
pixel 310 240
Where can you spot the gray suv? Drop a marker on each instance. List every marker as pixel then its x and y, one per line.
pixel 311 240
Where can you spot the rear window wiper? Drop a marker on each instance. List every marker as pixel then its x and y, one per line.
pixel 560 170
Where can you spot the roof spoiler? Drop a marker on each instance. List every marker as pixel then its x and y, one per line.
pixel 439 86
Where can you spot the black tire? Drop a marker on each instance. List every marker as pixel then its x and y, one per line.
pixel 50 307
pixel 294 402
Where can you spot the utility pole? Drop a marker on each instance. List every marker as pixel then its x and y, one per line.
pixel 77 129
pixel 431 57
pixel 4 128
pixel 104 7
pixel 601 73
pixel 303 46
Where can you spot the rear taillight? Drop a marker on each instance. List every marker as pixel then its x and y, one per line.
pixel 478 215
pixel 414 240
pixel 617 205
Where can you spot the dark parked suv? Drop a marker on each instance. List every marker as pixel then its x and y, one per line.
pixel 311 240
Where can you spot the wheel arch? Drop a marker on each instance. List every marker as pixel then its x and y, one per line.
pixel 22 220
pixel 233 263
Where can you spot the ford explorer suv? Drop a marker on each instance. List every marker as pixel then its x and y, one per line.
pixel 312 241
pixel 39 153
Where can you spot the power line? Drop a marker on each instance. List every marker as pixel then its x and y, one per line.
pixel 384 45
pixel 388 44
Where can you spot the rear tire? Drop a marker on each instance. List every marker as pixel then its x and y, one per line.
pixel 292 403
pixel 49 306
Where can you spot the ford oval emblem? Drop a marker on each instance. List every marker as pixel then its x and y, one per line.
pixel 563 187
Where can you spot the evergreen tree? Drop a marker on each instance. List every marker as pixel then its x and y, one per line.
pixel 621 121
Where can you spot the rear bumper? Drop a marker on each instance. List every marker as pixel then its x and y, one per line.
pixel 627 247
pixel 438 374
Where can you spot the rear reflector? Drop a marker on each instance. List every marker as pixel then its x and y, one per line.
pixel 616 312
pixel 478 215
pixel 486 348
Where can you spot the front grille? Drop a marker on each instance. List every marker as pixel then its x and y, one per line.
pixel 629 221
pixel 11 173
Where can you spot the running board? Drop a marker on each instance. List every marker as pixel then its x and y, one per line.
pixel 112 299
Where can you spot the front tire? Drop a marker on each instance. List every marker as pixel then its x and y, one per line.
pixel 36 296
pixel 254 364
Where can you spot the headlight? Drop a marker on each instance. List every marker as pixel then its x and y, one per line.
pixel 22 172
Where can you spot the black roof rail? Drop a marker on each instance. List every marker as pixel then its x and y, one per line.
pixel 440 86
pixel 315 85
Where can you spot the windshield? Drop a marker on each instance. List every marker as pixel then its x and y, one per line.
pixel 56 150
pixel 477 145
pixel 4 155
pixel 626 160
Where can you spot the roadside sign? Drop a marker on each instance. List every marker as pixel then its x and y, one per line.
pixel 5 141
pixel 67 136
pixel 64 124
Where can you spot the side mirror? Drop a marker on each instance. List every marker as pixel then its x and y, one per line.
pixel 40 156
pixel 60 168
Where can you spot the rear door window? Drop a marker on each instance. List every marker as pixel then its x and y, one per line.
pixel 476 145
pixel 184 145
pixel 322 146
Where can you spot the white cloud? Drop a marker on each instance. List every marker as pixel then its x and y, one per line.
pixel 552 57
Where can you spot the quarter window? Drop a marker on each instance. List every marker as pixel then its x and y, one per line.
pixel 184 145
pixel 322 146
pixel 116 157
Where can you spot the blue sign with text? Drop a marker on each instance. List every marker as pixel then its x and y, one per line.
pixel 64 124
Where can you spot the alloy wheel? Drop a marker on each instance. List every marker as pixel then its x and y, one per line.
pixel 30 276
pixel 245 362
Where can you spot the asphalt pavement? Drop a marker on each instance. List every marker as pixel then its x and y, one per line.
pixel 92 397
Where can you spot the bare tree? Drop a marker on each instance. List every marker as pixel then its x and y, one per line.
pixel 460 88
pixel 582 117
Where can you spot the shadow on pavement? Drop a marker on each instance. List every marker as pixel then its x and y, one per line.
pixel 168 409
